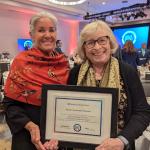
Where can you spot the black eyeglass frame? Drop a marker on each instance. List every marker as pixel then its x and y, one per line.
pixel 94 41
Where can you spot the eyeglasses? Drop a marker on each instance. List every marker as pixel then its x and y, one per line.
pixel 101 41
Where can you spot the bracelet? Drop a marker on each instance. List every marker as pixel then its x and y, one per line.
pixel 125 141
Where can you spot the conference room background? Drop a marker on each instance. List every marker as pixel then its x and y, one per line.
pixel 138 34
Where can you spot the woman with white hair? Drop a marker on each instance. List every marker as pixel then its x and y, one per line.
pixel 29 70
pixel 99 69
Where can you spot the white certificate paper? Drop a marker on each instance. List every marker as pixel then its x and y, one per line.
pixel 75 117
pixel 81 116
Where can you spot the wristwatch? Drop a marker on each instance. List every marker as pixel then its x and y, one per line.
pixel 125 141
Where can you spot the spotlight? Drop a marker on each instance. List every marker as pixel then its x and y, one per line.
pixel 136 15
pixel 125 15
pixel 133 15
pixel 142 14
pixel 121 17
pixel 128 17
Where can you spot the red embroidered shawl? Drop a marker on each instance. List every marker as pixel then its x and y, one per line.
pixel 32 68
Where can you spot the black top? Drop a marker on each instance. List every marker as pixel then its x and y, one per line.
pixel 18 114
pixel 137 114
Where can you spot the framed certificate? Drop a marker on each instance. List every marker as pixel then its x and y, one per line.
pixel 78 116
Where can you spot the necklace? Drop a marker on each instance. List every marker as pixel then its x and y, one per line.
pixel 98 76
pixel 99 73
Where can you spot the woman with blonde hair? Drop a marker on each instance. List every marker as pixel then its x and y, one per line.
pixel 99 69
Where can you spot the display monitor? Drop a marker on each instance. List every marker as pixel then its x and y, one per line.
pixel 24 44
pixel 137 34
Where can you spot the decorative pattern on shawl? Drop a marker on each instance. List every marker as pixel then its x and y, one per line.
pixel 32 68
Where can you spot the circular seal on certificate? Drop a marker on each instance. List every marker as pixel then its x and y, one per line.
pixel 77 127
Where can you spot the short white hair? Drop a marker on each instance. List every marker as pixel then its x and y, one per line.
pixel 90 29
pixel 39 15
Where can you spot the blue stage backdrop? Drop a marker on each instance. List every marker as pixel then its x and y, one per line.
pixel 24 44
pixel 137 34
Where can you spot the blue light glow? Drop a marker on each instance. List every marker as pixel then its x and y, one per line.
pixel 24 44
pixel 138 35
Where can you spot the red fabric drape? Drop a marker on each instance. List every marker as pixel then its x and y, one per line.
pixel 32 68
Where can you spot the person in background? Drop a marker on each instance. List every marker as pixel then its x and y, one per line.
pixel 28 72
pixel 129 54
pixel 144 55
pixel 99 68
pixel 58 46
pixel 27 47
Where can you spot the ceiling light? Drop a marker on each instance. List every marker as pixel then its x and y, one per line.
pixel 103 3
pixel 74 2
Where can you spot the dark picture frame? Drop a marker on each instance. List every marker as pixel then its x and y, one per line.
pixel 66 109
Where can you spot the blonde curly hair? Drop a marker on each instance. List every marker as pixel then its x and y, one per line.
pixel 90 29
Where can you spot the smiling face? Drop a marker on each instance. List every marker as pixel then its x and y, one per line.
pixel 44 35
pixel 100 54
